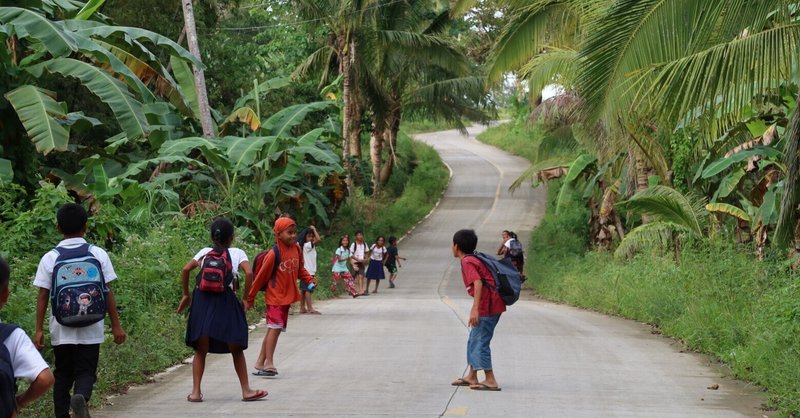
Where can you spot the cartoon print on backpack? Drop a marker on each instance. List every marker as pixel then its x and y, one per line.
pixel 79 296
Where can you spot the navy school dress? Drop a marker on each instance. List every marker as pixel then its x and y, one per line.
pixel 219 316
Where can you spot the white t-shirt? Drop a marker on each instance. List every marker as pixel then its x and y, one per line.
pixel 376 253
pixel 310 258
pixel 358 251
pixel 237 258
pixel 60 334
pixel 25 358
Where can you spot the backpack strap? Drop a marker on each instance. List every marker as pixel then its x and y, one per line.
pixel 483 279
pixel 5 331
pixel 275 265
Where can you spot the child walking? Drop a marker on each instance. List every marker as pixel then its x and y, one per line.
pixel 377 258
pixel 339 269
pixel 281 290
pixel 217 323
pixel 359 250
pixel 392 261
pixel 23 357
pixel 310 238
pixel 76 348
pixel 487 306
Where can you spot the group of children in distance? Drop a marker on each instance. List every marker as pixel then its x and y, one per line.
pixel 356 253
pixel 217 322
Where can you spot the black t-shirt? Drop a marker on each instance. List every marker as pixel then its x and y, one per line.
pixel 391 255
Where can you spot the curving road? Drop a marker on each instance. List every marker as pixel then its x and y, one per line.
pixel 394 354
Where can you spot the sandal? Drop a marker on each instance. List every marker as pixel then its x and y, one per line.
pixel 190 399
pixel 258 395
pixel 268 372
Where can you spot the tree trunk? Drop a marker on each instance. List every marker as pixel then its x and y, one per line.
pixel 390 138
pixel 375 155
pixel 356 110
pixel 786 229
pixel 347 117
pixel 199 76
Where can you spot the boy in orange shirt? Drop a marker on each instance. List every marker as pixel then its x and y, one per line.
pixel 281 292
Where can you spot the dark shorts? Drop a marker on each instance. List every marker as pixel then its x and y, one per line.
pixel 392 268
pixel 304 287
pixel 360 270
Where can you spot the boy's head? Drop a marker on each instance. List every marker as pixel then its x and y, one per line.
pixel 5 274
pixel 72 219
pixel 464 242
pixel 285 230
pixel 392 240
pixel 359 236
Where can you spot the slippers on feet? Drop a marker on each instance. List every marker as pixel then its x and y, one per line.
pixel 461 382
pixel 268 372
pixel 258 395
pixel 191 399
pixel 483 386
pixel 315 312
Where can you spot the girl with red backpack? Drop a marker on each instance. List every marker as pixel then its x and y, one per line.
pixel 217 323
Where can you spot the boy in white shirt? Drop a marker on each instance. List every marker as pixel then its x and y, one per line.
pixel 76 349
pixel 25 360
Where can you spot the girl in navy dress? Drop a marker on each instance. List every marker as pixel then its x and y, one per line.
pixel 217 323
pixel 377 258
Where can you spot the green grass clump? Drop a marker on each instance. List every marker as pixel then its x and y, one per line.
pixel 522 140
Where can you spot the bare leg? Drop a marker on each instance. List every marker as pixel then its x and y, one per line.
pixel 240 365
pixel 366 289
pixel 308 299
pixel 198 367
pixel 270 342
pixel 377 282
pixel 490 380
pixel 262 352
pixel 303 308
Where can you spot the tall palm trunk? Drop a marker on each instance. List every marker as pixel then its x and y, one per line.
pixel 345 65
pixel 355 108
pixel 199 75
pixel 375 154
pixel 787 228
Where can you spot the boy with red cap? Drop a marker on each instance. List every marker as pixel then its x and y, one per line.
pixel 281 291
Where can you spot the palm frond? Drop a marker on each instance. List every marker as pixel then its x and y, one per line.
pixel 553 66
pixel 666 204
pixel 651 235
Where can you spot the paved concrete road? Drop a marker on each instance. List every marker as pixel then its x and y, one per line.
pixel 394 354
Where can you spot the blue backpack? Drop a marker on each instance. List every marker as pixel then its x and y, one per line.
pixel 78 293
pixel 507 280
pixel 8 383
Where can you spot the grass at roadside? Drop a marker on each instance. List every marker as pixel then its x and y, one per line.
pixel 715 298
pixel 518 140
pixel 148 266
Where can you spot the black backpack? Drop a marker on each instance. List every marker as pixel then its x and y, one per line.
pixel 507 279
pixel 8 383
pixel 259 260
pixel 515 248
pixel 78 292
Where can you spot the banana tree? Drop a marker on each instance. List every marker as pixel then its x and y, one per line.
pixel 113 63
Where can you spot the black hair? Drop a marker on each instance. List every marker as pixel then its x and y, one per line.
pixel 301 237
pixel 378 239
pixel 221 233
pixel 342 239
pixel 392 239
pixel 5 274
pixel 72 218
pixel 512 234
pixel 358 231
pixel 466 240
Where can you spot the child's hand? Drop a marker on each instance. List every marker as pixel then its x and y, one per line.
pixel 247 305
pixel 119 334
pixel 185 301
pixel 38 340
pixel 473 318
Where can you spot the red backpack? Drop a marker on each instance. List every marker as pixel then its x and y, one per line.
pixel 215 270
